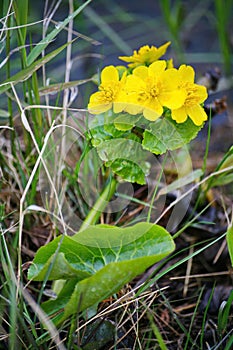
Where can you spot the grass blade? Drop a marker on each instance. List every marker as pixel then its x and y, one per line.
pixel 21 15
pixel 36 51
pixel 27 72
pixel 230 243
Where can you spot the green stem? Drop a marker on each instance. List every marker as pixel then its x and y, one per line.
pixel 8 74
pixel 100 204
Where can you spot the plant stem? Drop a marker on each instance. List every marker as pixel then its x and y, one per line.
pixel 100 204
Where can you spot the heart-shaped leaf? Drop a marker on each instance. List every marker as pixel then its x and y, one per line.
pixel 126 121
pixel 165 134
pixel 126 157
pixel 97 262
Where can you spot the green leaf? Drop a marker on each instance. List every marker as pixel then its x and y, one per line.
pixel 99 261
pixel 222 180
pixel 111 130
pixel 21 15
pixel 62 264
pixel 54 88
pixel 27 72
pixel 129 171
pixel 36 51
pixel 101 128
pixel 230 243
pixel 126 158
pixel 125 121
pixel 165 134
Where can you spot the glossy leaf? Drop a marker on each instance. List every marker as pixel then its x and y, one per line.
pixel 126 121
pixel 165 134
pixel 126 158
pixel 97 262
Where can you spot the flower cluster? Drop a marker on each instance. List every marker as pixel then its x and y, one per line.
pixel 149 86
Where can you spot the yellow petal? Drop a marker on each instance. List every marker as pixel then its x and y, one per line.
pixel 197 114
pixel 97 105
pixel 162 49
pixel 134 83
pixel 187 73
pixel 170 63
pixel 109 73
pixel 150 114
pixel 133 108
pixel 153 109
pixel 120 102
pixel 118 107
pixel 141 72
pixel 201 92
pixel 126 58
pixel 101 108
pixel 179 115
pixel 174 99
pixel 157 67
pixel 171 79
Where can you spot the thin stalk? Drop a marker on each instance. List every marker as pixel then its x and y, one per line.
pixel 66 93
pixel 156 189
pixel 8 71
pixel 205 317
pixel 223 19
pixel 100 204
pixel 171 17
pixel 156 332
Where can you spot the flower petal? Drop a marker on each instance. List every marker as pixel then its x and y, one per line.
pixel 197 114
pixel 133 108
pixel 174 99
pixel 109 73
pixel 150 114
pixel 162 49
pixel 171 79
pixel 179 115
pixel 96 104
pixel 187 73
pixel 201 92
pixel 157 67
pixel 153 110
pixel 141 72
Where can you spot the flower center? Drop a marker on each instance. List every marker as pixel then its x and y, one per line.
pixel 151 91
pixel 192 96
pixel 109 91
pixel 152 88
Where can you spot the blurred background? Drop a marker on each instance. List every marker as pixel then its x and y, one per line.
pixel 201 32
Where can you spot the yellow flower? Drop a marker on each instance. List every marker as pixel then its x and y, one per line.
pixel 110 94
pixel 151 88
pixel 195 95
pixel 145 55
